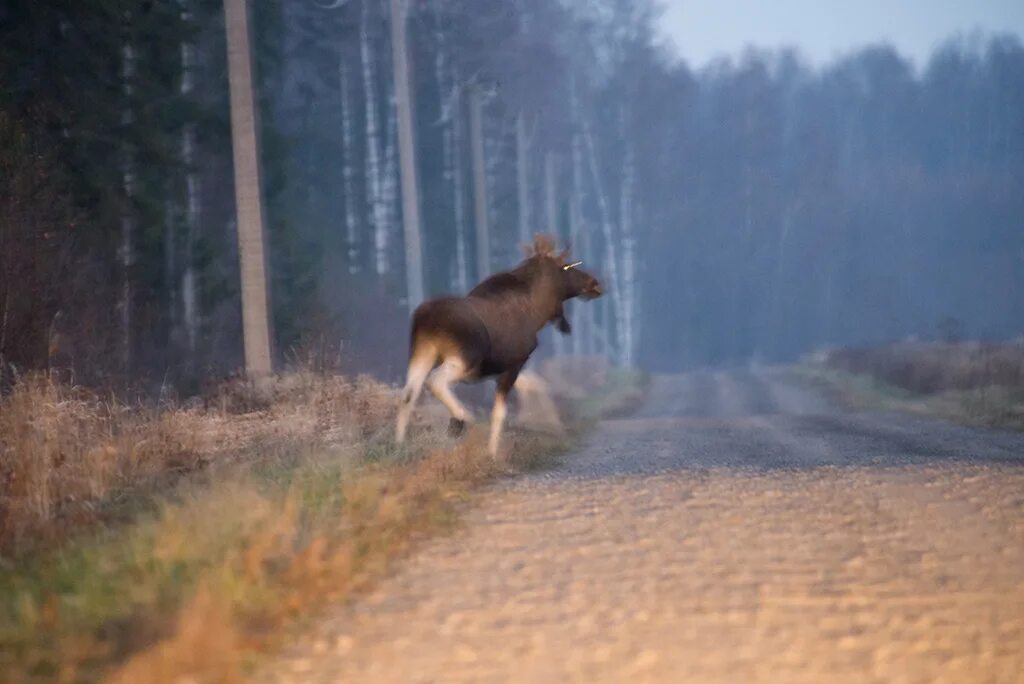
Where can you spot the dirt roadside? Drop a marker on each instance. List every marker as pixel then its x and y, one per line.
pixel 736 529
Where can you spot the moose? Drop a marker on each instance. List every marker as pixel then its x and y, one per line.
pixel 491 332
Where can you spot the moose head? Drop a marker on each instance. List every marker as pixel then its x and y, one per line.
pixel 571 280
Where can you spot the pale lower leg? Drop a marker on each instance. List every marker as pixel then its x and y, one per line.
pixel 418 371
pixel 498 414
pixel 440 384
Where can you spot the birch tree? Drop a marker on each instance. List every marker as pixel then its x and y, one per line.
pixel 627 247
pixel 450 106
pixel 407 145
pixel 611 258
pixel 551 219
pixel 522 178
pixel 374 164
pixel 585 341
pixel 481 211
pixel 352 240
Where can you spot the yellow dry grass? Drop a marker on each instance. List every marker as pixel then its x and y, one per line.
pixel 232 522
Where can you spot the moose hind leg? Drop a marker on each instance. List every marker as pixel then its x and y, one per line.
pixel 440 384
pixel 500 410
pixel 419 369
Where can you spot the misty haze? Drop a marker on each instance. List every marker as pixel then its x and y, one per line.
pixel 756 303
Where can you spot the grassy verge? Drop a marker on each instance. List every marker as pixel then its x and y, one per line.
pixel 958 383
pixel 211 568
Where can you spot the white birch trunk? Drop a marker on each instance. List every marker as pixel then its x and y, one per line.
pixel 583 341
pixel 492 166
pixel 459 188
pixel 389 183
pixel 550 195
pixel 586 341
pixel 450 105
pixel 625 325
pixel 616 289
pixel 483 242
pixel 551 221
pixel 374 170
pixel 407 145
pixel 522 178
pixel 347 172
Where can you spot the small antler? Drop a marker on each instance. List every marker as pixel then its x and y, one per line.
pixel 563 257
pixel 543 245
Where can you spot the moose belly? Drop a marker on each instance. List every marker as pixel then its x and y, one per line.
pixel 507 354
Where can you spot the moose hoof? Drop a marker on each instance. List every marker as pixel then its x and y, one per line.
pixel 456 427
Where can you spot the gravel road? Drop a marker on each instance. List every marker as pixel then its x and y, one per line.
pixel 738 528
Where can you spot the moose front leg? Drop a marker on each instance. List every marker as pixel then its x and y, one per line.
pixel 505 382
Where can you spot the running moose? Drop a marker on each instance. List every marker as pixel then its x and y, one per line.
pixel 490 332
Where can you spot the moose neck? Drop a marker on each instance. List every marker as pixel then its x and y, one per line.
pixel 546 298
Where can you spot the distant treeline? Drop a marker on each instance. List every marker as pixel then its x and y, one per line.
pixel 863 203
pixel 755 208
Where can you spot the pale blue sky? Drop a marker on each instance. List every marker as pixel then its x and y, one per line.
pixel 823 29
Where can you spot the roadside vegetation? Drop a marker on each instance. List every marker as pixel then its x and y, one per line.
pixel 153 543
pixel 969 382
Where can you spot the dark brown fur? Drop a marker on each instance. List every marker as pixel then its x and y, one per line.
pixel 493 330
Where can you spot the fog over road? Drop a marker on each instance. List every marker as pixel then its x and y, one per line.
pixel 737 528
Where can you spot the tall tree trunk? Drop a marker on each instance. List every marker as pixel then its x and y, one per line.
pixel 389 184
pixel 347 173
pixel 450 106
pixel 609 240
pixel 407 151
pixel 522 178
pixel 248 200
pixel 127 247
pixel 189 298
pixel 374 169
pixel 625 325
pixel 583 341
pixel 551 220
pixel 476 132
pixel 550 195
pixel 459 187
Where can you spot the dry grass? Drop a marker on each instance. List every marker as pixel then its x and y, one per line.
pixel 972 383
pixel 930 368
pixel 69 456
pixel 296 496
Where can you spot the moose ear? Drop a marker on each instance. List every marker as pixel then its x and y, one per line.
pixel 572 265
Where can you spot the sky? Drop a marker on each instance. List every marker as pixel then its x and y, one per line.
pixel 823 29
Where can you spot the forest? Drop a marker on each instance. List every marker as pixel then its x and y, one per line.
pixel 755 209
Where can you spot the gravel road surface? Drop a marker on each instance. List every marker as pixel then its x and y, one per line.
pixel 738 528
